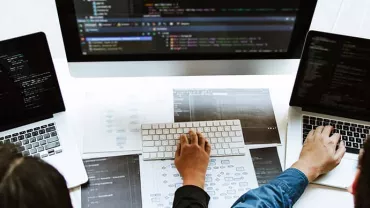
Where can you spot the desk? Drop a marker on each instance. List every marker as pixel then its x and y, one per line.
pixel 280 86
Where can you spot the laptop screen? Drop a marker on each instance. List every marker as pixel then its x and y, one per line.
pixel 334 76
pixel 29 88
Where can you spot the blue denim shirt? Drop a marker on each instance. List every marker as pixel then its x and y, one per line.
pixel 282 192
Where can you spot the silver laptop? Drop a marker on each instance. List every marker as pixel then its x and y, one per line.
pixel 32 108
pixel 332 88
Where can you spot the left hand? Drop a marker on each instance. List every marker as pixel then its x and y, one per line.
pixel 192 158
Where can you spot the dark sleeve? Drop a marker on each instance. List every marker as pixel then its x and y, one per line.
pixel 190 197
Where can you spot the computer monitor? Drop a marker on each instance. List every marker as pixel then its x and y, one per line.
pixel 188 37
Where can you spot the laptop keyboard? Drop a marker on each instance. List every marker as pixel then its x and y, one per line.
pixel 353 134
pixel 39 142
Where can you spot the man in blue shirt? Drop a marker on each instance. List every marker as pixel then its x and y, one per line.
pixel 320 154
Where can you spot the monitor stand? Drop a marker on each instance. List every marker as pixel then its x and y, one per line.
pixel 183 68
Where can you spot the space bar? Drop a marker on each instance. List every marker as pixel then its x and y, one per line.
pixel 352 150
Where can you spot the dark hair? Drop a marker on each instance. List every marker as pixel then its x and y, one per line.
pixel 29 182
pixel 362 195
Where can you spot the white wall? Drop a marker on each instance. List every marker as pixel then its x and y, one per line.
pixel 20 17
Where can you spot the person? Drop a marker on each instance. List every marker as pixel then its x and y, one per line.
pixel 320 154
pixel 28 182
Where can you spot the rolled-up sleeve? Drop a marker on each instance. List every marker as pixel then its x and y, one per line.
pixel 282 192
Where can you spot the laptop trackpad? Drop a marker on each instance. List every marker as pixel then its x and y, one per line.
pixel 341 177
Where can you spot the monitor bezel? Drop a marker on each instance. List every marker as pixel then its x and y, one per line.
pixel 68 24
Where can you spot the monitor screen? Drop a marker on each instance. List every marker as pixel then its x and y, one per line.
pixel 28 84
pixel 118 27
pixel 334 76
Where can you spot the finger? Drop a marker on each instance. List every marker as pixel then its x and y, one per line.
pixel 310 136
pixel 335 139
pixel 202 140
pixel 208 148
pixel 327 131
pixel 183 140
pixel 318 130
pixel 340 152
pixel 178 151
pixel 193 137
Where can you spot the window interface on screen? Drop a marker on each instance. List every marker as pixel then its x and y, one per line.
pixel 108 27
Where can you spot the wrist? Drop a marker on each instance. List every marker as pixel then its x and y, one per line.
pixel 194 181
pixel 311 172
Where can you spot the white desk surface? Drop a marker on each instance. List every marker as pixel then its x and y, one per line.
pixel 280 86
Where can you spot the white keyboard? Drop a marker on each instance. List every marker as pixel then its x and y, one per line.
pixel 160 140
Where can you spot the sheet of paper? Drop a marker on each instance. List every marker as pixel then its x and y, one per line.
pixel 227 179
pixel 266 164
pixel 252 106
pixel 113 182
pixel 113 122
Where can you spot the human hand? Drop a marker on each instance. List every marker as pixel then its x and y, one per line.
pixel 192 158
pixel 319 154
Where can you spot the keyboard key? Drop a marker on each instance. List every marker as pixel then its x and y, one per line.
pixel 50 129
pixel 33 151
pixel 51 124
pixel 353 129
pixel 42 142
pixel 237 139
pixel 28 146
pixel 346 128
pixel 23 132
pixel 25 142
pixel 148 143
pixel 44 126
pixel 15 135
pixel 363 136
pixel 40 149
pixel 25 153
pixel 53 139
pixel 168 154
pixel 36 129
pixel 349 133
pixel 43 156
pixel 351 139
pixel 366 131
pixel 344 138
pixel 40 137
pixel 53 134
pixel 37 155
pixel 307 126
pixel 1 138
pixel 358 140
pixel 35 133
pixel 35 144
pixel 356 134
pixel 21 148
pixel 52 145
pixel 352 150
pixel 33 139
pixel 29 130
pixel 42 131
pixel 221 152
pixel 348 144
pixel 7 141
pixel 28 135
pixel 235 151
pixel 21 137
pixel 14 139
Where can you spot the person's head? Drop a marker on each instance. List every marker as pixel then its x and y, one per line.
pixel 28 182
pixel 361 185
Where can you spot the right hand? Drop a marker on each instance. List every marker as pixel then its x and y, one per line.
pixel 319 154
